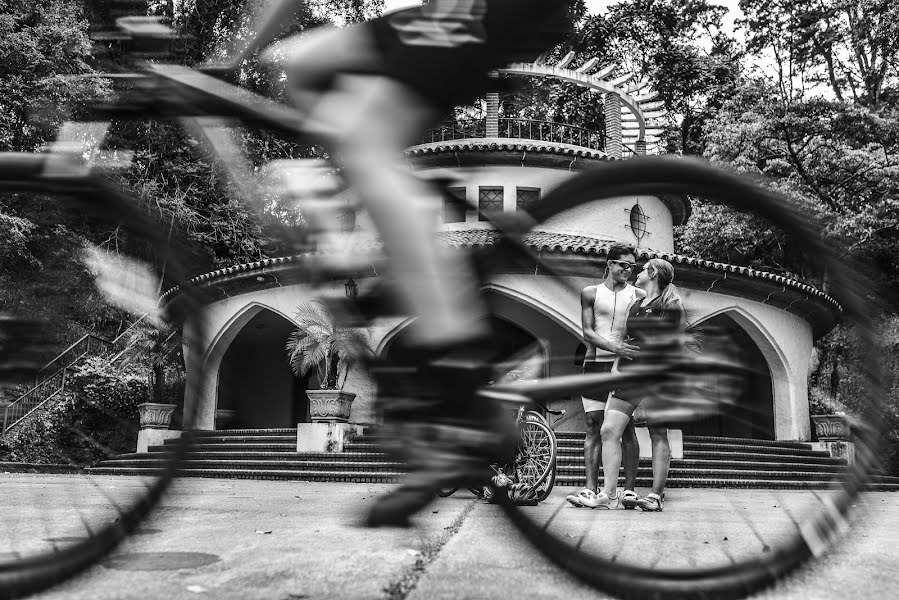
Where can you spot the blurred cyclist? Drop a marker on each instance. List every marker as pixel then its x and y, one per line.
pixel 370 90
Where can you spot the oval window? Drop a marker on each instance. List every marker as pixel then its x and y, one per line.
pixel 638 221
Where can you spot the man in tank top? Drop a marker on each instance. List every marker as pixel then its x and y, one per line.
pixel 604 310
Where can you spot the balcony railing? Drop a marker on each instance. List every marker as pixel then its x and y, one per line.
pixel 526 129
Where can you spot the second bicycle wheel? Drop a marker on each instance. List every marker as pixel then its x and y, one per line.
pixel 536 459
pixel 736 534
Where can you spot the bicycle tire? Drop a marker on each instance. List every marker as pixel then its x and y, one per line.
pixel 446 492
pixel 656 176
pixel 545 489
pixel 24 572
pixel 537 444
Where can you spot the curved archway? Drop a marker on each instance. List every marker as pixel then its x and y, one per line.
pixel 752 414
pixel 254 378
pixel 524 329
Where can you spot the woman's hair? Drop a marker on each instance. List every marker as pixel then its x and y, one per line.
pixel 669 298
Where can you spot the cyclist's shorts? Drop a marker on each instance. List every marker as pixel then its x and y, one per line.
pixel 443 50
pixel 591 403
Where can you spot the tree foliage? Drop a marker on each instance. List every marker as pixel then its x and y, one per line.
pixel 852 47
pixel 319 344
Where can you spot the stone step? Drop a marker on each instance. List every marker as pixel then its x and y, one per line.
pixel 718 482
pixel 241 439
pixel 727 457
pixel 561 481
pixel 345 476
pixel 701 439
pixel 242 432
pixel 569 436
pixel 731 474
pixel 320 456
pixel 242 465
pixel 578 463
pixel 817 458
pixel 229 447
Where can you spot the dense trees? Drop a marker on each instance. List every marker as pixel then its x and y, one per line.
pixel 804 96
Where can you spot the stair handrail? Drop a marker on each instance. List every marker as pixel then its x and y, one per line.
pixel 21 404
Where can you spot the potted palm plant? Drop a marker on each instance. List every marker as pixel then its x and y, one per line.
pixel 319 344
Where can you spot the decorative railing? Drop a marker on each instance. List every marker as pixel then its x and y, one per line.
pixel 526 129
pixel 51 379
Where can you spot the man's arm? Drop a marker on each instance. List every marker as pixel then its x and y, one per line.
pixel 588 324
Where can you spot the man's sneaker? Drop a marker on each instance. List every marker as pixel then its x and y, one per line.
pixel 590 499
pixel 580 499
pixel 603 500
pixel 629 499
pixel 650 503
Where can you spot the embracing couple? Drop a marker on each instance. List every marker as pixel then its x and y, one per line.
pixel 625 327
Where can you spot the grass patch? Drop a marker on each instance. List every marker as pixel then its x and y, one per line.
pixel 407 581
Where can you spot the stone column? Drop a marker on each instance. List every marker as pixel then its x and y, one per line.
pixel 640 147
pixel 612 112
pixel 493 110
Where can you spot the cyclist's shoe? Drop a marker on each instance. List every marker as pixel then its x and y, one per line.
pixel 434 421
pixel 589 499
pixel 629 499
pixel 604 501
pixel 580 499
pixel 650 503
pixel 453 459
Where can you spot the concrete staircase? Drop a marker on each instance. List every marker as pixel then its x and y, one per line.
pixel 271 454
pixel 262 454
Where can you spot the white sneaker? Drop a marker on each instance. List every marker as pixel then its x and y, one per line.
pixel 582 498
pixel 603 500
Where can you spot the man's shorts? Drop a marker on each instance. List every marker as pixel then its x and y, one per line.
pixel 591 367
pixel 445 54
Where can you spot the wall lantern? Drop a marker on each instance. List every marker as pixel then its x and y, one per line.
pixel 351 289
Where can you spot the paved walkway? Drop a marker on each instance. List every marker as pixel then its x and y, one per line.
pixel 274 540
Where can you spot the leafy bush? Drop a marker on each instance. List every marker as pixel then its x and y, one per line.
pixel 95 417
pixel 840 380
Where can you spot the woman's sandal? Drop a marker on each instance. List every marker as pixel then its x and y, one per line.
pixel 629 499
pixel 650 503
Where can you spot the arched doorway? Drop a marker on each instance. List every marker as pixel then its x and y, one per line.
pixel 256 381
pixel 508 339
pixel 751 415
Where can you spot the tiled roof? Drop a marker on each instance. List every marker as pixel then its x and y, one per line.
pixel 578 244
pixel 544 241
pixel 516 145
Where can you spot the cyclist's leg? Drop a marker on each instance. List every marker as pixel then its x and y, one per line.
pixel 630 450
pixel 618 414
pixel 593 447
pixel 661 458
pixel 371 120
pixel 382 117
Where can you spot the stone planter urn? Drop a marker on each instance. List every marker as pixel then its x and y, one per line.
pixel 831 428
pixel 330 406
pixel 155 416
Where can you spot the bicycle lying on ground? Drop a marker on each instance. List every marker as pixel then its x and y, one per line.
pixel 205 103
pixel 534 465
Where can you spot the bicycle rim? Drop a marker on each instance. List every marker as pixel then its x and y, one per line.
pixel 818 520
pixel 536 453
